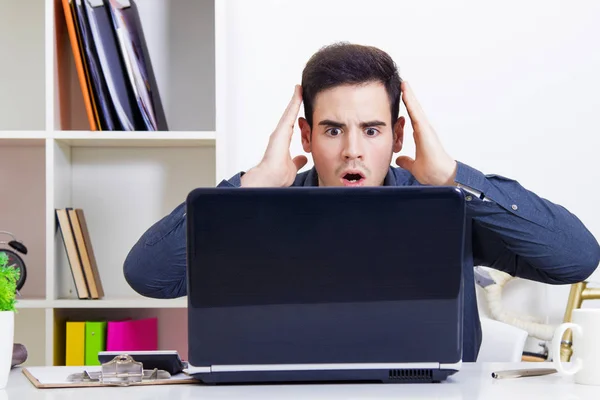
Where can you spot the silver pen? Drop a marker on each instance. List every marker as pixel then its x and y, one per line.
pixel 518 373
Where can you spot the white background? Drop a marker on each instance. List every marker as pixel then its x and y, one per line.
pixel 512 88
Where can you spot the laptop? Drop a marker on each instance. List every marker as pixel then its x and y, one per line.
pixel 314 284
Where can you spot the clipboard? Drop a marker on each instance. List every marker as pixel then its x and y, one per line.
pixel 120 371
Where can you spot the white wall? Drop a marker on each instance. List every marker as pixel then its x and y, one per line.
pixel 22 65
pixel 511 87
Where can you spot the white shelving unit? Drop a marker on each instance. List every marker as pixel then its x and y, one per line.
pixel 124 181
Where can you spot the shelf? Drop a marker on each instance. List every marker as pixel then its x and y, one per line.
pixel 125 181
pixel 32 303
pixel 172 325
pixel 136 139
pixel 121 303
pixel 124 303
pixel 22 138
pixel 22 134
pixel 111 138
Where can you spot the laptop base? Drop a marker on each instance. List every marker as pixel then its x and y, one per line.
pixel 329 376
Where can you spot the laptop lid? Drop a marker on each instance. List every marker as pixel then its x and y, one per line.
pixel 299 276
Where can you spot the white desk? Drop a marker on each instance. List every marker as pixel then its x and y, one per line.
pixel 474 381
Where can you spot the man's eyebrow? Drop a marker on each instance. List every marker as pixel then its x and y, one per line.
pixel 328 122
pixel 372 123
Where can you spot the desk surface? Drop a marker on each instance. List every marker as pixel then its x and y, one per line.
pixel 474 381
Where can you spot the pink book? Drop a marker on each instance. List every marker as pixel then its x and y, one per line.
pixel 132 335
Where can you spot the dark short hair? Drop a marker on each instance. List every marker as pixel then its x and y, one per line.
pixel 345 63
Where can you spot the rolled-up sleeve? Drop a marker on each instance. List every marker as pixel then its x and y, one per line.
pixel 526 235
pixel 156 264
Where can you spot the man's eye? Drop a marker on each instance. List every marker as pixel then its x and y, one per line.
pixel 334 131
pixel 372 132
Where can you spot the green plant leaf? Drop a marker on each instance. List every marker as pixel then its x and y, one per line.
pixel 8 284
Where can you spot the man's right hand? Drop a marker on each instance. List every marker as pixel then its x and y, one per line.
pixel 277 167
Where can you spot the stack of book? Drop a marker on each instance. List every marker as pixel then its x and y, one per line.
pixel 113 66
pixel 80 253
pixel 85 339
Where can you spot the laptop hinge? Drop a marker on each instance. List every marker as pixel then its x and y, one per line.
pixel 313 367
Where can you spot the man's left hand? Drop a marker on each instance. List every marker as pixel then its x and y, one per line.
pixel 431 165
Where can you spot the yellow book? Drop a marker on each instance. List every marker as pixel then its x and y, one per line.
pixel 75 343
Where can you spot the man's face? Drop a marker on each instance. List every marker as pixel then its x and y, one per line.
pixel 352 140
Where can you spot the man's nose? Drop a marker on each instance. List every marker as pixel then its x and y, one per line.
pixel 353 146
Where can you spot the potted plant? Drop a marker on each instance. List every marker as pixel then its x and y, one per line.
pixel 8 291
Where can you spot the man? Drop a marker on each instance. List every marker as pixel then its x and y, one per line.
pixel 352 97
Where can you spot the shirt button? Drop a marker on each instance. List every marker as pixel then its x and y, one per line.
pixel 514 207
pixel 468 198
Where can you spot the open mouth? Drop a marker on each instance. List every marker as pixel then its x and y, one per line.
pixel 353 179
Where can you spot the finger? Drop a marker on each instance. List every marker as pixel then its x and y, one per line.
pixel 405 162
pixel 291 112
pixel 299 162
pixel 413 107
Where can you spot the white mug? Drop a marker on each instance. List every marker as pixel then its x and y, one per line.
pixel 585 326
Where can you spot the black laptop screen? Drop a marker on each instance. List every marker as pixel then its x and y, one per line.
pixel 323 245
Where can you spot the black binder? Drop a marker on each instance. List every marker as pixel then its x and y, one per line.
pixel 120 74
pixel 106 110
pixel 125 17
pixel 112 66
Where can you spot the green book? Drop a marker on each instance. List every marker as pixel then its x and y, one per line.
pixel 95 341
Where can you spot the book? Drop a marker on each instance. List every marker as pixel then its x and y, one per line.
pixel 95 341
pixel 132 335
pixel 134 52
pixel 75 343
pixel 98 87
pixel 114 66
pixel 111 64
pixel 85 249
pixel 81 65
pixel 80 252
pixel 66 230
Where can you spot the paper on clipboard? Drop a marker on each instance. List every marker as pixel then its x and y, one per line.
pixel 56 377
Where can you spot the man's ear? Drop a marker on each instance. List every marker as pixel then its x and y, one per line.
pixel 305 132
pixel 398 134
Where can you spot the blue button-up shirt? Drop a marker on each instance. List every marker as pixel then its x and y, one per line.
pixel 512 229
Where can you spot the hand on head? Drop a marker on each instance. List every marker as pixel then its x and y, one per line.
pixel 277 167
pixel 431 165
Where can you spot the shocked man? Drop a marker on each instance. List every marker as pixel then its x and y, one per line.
pixel 352 96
